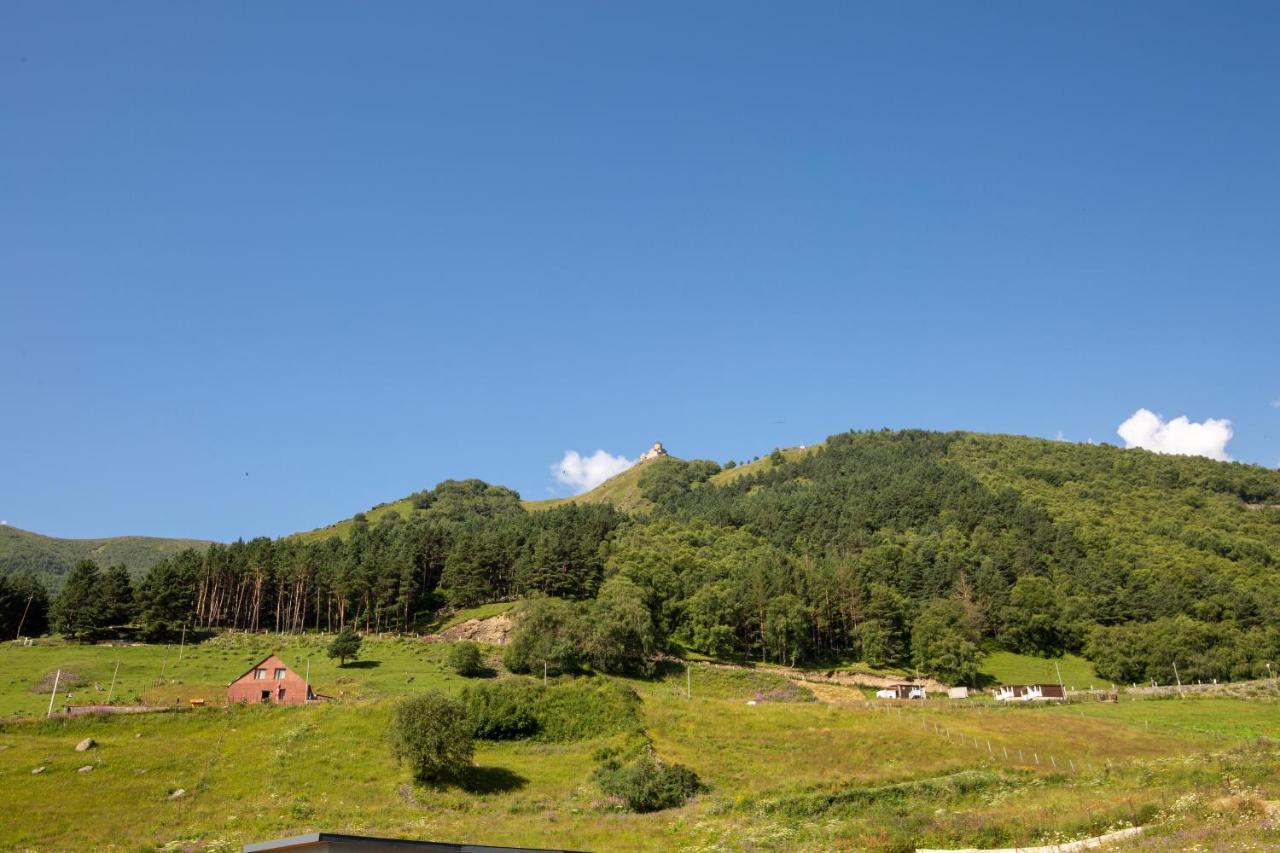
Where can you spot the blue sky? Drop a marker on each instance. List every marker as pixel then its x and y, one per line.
pixel 264 265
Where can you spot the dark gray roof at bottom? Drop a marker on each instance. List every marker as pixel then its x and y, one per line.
pixel 406 843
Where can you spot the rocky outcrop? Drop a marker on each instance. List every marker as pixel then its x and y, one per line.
pixel 495 631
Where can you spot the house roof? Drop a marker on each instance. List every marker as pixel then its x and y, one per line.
pixel 256 665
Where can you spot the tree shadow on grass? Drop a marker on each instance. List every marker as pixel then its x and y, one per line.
pixel 490 780
pixel 985 681
pixel 360 664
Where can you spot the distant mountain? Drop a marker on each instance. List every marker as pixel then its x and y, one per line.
pixel 50 558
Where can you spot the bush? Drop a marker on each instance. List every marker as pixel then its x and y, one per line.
pixel 464 659
pixel 503 710
pixel 647 785
pixel 586 708
pixel 432 734
pixel 517 708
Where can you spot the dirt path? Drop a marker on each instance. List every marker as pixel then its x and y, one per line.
pixel 834 694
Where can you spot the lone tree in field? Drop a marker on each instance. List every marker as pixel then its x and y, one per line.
pixel 345 645
pixel 433 735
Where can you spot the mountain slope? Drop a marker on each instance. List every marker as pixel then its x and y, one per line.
pixel 621 490
pixel 852 550
pixel 51 558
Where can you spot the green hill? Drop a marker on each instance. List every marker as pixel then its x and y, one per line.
pixel 850 550
pixel 622 491
pixel 50 558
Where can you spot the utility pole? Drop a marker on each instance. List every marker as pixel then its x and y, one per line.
pixel 30 598
pixel 113 682
pixel 183 644
pixel 688 681
pixel 1177 678
pixel 1060 684
pixel 54 693
pixel 544 673
pixel 306 695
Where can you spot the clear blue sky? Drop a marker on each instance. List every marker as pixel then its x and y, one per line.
pixel 349 250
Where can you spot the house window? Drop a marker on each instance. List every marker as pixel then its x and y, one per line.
pixel 259 674
pixel 279 673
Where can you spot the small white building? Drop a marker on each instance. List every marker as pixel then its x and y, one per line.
pixel 1028 692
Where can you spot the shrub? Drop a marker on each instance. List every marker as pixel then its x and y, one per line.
pixel 585 709
pixel 464 659
pixel 647 784
pixel 432 734
pixel 580 710
pixel 502 710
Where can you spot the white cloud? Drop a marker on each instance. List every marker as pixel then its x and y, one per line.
pixel 1148 430
pixel 1275 404
pixel 584 473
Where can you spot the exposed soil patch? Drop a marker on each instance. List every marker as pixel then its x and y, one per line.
pixel 862 679
pixel 494 631
pixel 67 681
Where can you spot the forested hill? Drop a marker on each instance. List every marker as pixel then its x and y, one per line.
pixel 50 558
pixel 893 549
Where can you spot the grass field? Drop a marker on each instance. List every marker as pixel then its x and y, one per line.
pixel 814 767
pixel 1011 668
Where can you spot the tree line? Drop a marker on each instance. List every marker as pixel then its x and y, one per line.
pixel 897 549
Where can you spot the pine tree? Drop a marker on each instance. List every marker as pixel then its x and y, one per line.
pixel 79 610
pixel 117 596
pixel 345 645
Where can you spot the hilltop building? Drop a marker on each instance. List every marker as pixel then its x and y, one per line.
pixel 655 452
pixel 271 682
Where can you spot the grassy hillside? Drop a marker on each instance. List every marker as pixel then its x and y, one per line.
pixel 839 773
pixel 51 558
pixel 403 507
pixel 1011 668
pixel 621 490
pixel 729 475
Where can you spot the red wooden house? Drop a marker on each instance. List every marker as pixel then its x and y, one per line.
pixel 270 681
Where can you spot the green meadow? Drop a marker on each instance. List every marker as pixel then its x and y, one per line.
pixel 1075 672
pixel 785 766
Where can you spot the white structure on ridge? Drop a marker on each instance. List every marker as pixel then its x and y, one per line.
pixel 652 453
